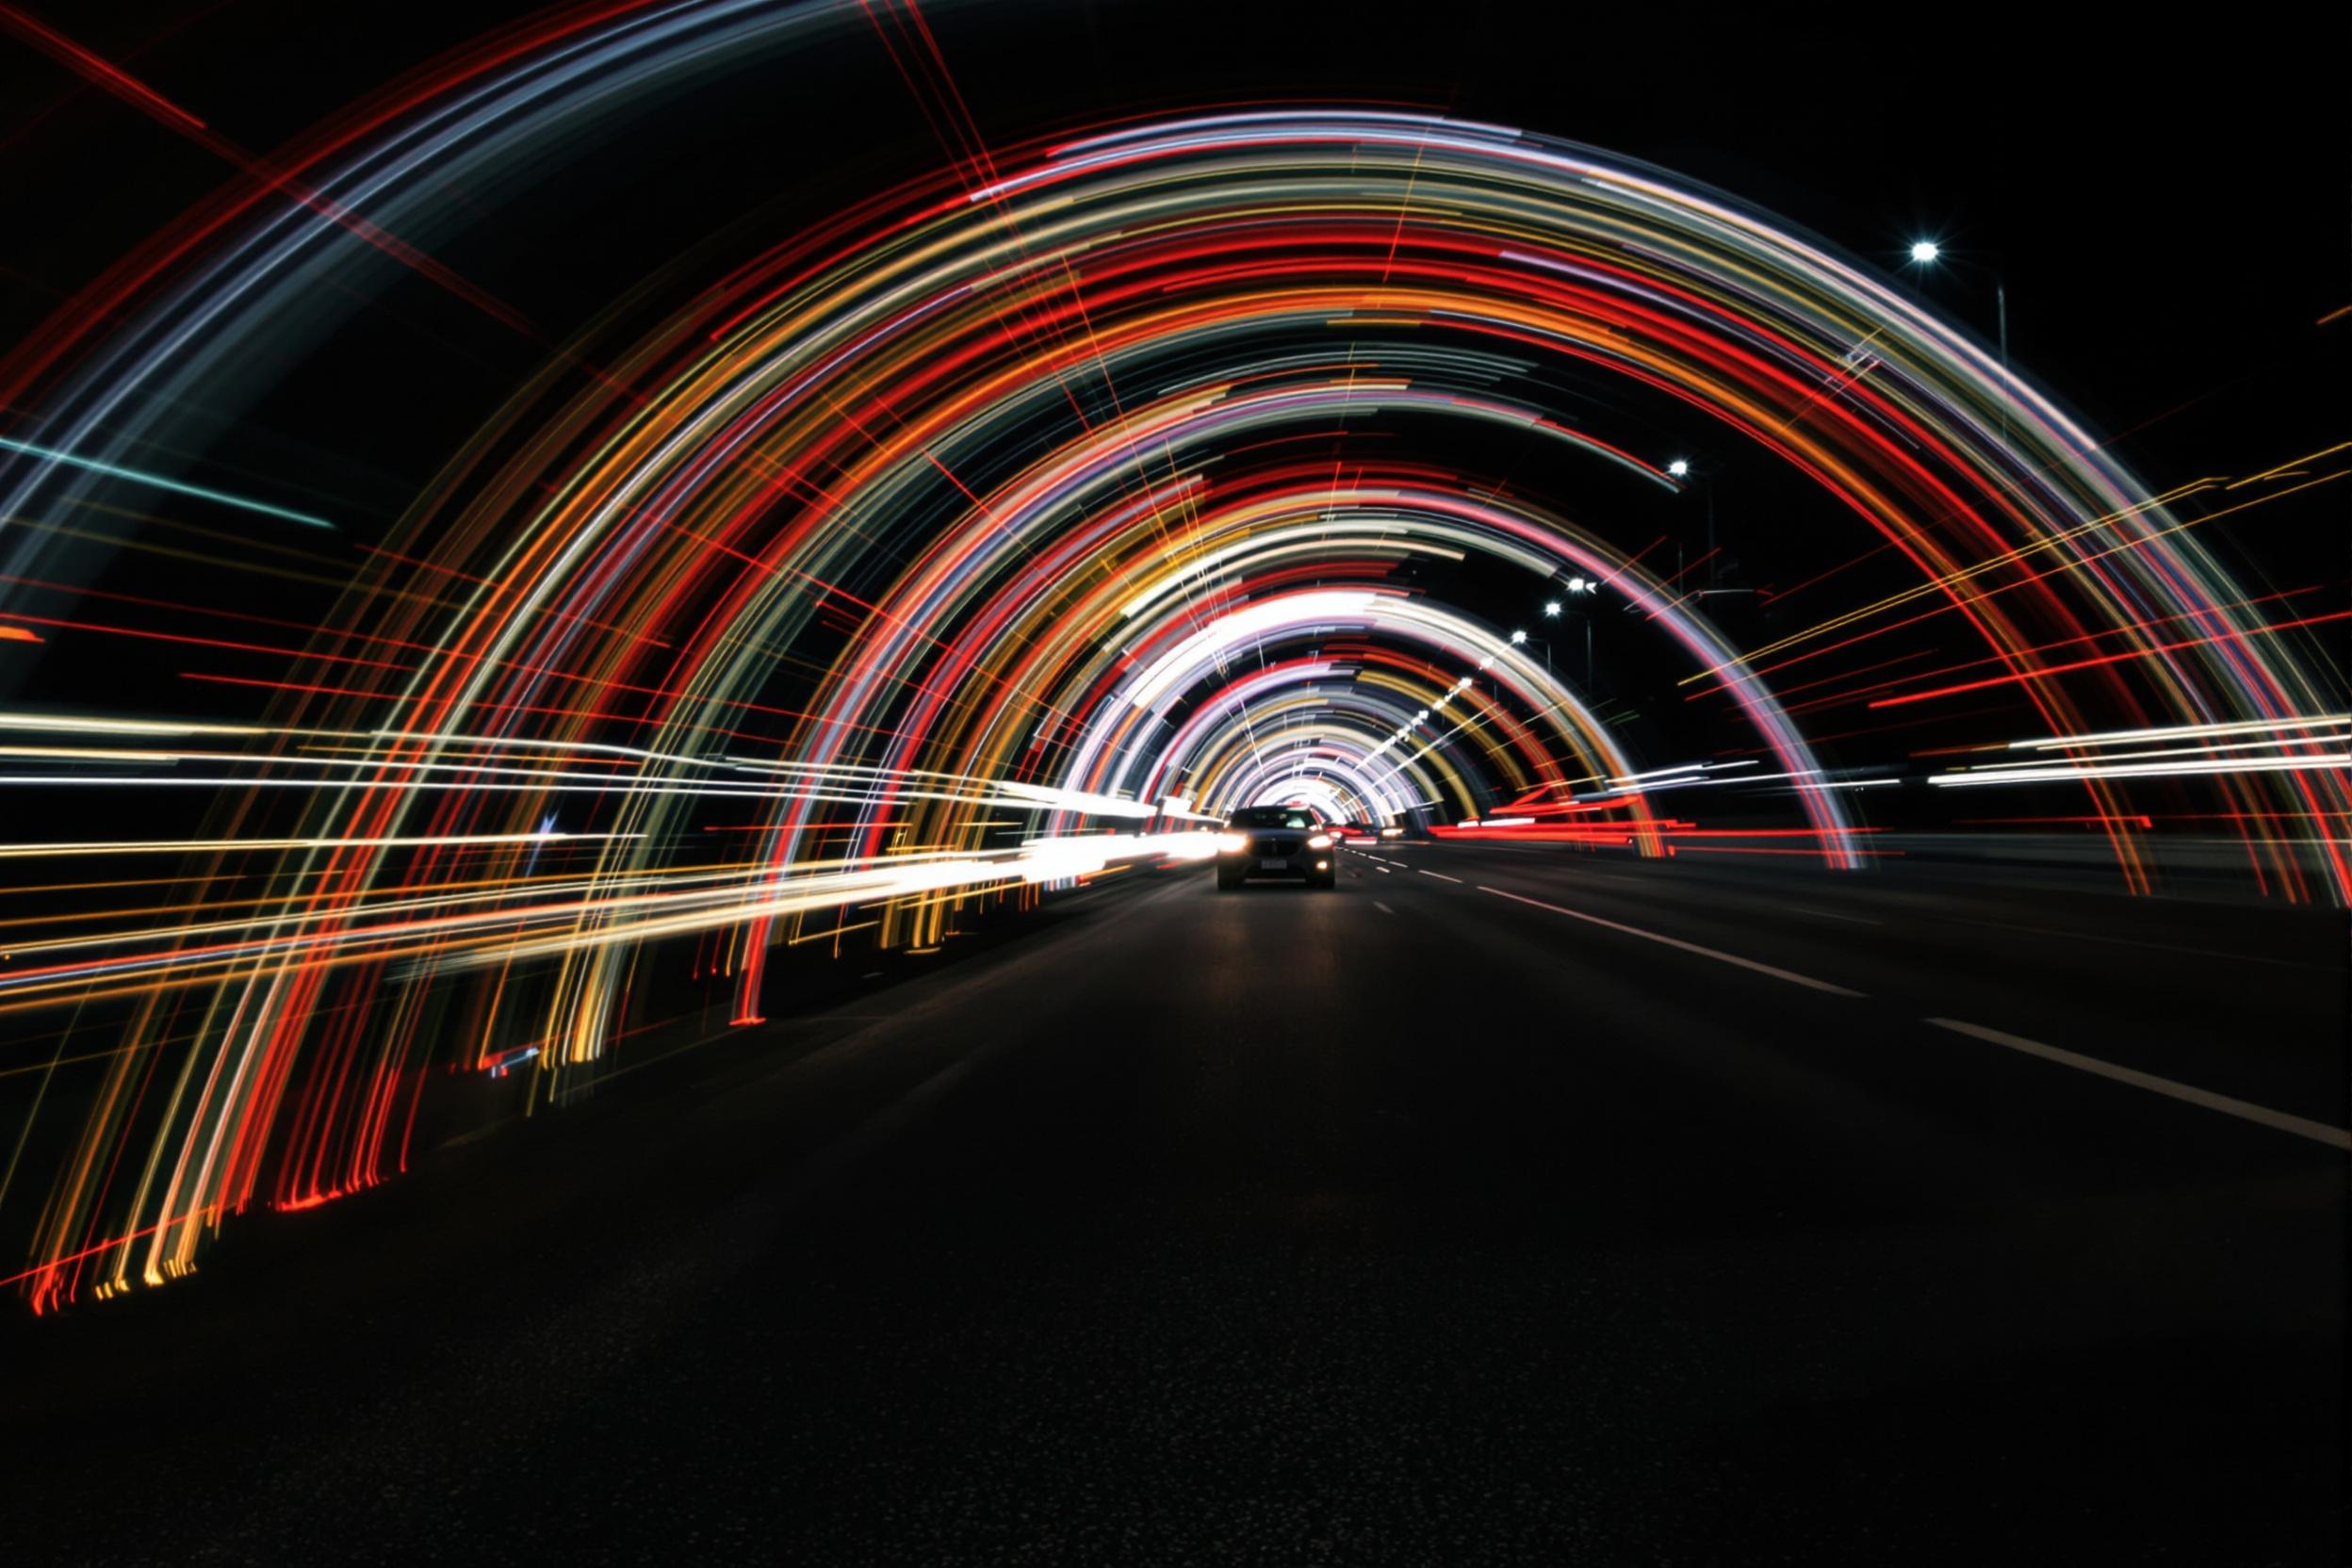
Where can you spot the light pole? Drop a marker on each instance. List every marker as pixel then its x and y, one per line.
pixel 1926 254
pixel 1577 587
pixel 1519 639
pixel 1680 468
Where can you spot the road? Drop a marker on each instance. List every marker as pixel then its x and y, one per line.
pixel 1505 1204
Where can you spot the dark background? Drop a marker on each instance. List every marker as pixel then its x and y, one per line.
pixel 2167 205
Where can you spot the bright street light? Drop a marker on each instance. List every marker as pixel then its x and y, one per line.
pixel 1679 468
pixel 1926 253
pixel 1517 638
pixel 1579 585
pixel 1551 607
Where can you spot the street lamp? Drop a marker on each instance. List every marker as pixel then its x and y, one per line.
pixel 1926 253
pixel 1580 587
pixel 1520 638
pixel 1680 468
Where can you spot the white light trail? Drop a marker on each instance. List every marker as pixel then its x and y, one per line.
pixel 2180 732
pixel 2148 769
pixel 1681 767
pixel 183 846
pixel 71 724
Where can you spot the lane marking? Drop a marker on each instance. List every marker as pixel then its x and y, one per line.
pixel 1382 907
pixel 1385 871
pixel 1828 914
pixel 2302 1127
pixel 1790 975
pixel 1440 875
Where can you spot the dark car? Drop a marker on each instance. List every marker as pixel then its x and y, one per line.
pixel 1275 841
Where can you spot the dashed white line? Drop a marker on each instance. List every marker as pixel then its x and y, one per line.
pixel 2302 1127
pixel 1830 914
pixel 1788 976
pixel 1382 907
pixel 1440 875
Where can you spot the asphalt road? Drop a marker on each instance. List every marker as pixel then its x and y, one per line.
pixel 1502 1205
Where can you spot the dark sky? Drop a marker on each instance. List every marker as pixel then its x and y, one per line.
pixel 2167 205
pixel 2166 202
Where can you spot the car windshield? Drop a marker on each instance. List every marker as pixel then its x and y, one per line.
pixel 1272 816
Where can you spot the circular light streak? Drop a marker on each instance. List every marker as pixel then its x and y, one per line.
pixel 1029 486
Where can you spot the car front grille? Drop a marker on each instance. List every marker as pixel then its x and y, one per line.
pixel 1277 845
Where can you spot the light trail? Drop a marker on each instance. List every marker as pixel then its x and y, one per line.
pixel 2122 737
pixel 443 934
pixel 2330 761
pixel 39 850
pixel 178 487
pixel 1110 481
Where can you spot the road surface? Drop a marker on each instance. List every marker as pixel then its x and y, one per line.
pixel 1505 1204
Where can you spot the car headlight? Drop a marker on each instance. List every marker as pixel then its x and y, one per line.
pixel 1321 840
pixel 1232 843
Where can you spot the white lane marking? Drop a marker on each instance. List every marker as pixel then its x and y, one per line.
pixel 1385 871
pixel 1830 914
pixel 1676 941
pixel 1440 875
pixel 2318 1131
pixel 1382 907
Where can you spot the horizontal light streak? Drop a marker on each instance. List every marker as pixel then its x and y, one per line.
pixel 36 850
pixel 85 725
pixel 2148 770
pixel 2180 732
pixel 447 931
pixel 1680 768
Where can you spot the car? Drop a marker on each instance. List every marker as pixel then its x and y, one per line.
pixel 1275 841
